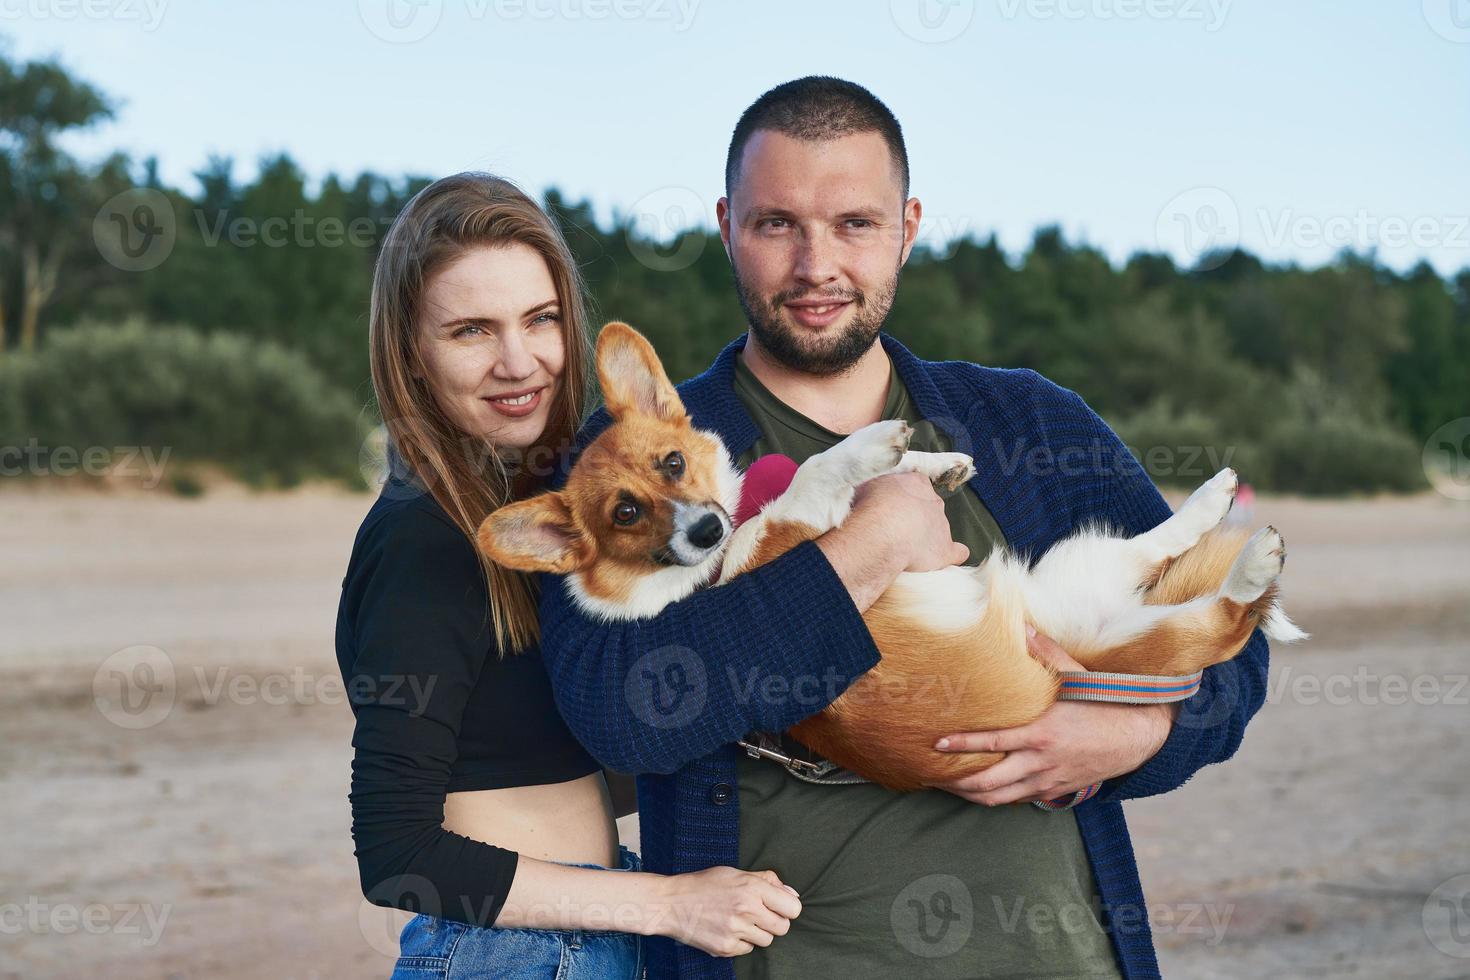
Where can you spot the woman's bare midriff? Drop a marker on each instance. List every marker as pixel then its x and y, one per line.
pixel 569 822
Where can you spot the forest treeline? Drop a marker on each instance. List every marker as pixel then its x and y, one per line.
pixel 230 321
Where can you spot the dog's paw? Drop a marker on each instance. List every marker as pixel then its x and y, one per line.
pixel 1208 505
pixel 958 474
pixel 1227 481
pixel 1256 567
pixel 947 471
pixel 872 450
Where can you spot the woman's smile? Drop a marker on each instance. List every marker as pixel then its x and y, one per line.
pixel 516 404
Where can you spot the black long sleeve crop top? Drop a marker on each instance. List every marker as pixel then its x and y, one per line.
pixel 437 710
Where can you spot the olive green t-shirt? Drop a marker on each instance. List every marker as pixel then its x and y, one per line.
pixel 924 884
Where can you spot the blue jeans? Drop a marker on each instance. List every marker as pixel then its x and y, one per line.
pixel 431 948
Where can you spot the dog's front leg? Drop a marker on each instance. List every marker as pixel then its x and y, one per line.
pixel 819 497
pixel 947 471
pixel 821 492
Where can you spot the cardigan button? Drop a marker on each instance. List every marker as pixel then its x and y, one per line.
pixel 720 794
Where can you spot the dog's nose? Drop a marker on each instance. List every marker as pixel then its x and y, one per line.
pixel 707 531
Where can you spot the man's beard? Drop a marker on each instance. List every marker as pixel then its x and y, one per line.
pixel 824 356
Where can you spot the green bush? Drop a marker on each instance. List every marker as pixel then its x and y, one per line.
pixel 1184 450
pixel 1300 451
pixel 1342 453
pixel 253 407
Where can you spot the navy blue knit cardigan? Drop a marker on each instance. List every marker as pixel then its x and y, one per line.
pixel 665 697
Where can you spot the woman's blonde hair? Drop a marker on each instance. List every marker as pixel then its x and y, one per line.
pixel 468 477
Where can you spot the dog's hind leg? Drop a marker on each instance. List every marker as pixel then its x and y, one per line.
pixel 1252 582
pixel 1200 514
pixel 1210 629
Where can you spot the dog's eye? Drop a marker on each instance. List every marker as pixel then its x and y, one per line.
pixel 674 463
pixel 625 513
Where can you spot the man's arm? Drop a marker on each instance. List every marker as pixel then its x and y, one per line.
pixel 762 652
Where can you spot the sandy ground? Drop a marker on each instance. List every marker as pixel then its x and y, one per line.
pixel 208 836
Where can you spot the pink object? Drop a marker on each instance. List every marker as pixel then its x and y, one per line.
pixel 767 478
pixel 1244 510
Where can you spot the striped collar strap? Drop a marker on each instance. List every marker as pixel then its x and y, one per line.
pixel 1067 802
pixel 1087 685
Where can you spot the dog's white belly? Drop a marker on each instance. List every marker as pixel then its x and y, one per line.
pixel 1081 586
pixel 1079 589
pixel 945 600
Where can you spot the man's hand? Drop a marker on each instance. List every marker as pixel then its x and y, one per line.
pixel 897 524
pixel 905 507
pixel 1071 746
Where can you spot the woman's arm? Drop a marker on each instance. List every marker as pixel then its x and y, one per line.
pixel 412 638
pixel 408 860
pixel 723 911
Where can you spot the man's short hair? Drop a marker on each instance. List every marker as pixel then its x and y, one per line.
pixel 814 108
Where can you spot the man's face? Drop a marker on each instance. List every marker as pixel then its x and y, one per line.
pixel 816 233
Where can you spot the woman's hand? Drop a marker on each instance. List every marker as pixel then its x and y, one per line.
pixel 725 911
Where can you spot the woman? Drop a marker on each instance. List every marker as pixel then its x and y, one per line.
pixel 472 804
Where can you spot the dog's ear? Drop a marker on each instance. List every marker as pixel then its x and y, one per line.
pixel 534 535
pixel 632 377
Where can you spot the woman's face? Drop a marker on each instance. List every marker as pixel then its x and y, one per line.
pixel 490 335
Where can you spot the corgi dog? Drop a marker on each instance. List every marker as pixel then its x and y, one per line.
pixel 645 519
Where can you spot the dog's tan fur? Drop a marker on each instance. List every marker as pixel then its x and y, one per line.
pixel 931 682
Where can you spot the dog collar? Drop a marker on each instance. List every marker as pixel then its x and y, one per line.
pixel 1087 685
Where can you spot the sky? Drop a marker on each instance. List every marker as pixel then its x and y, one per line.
pixel 1291 127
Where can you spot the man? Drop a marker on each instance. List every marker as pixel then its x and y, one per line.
pixel 817 222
